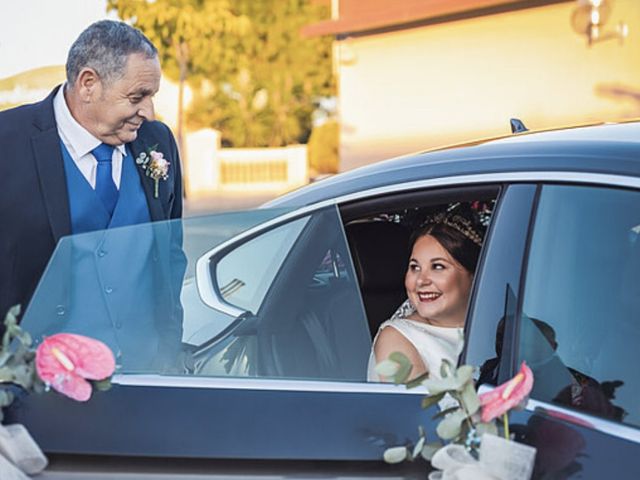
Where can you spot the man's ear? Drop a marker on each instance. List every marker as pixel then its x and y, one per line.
pixel 88 84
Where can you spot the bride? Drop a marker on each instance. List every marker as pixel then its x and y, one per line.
pixel 428 326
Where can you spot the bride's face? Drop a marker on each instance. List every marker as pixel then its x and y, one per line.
pixel 437 285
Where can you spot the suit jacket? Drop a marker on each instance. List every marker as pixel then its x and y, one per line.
pixel 34 201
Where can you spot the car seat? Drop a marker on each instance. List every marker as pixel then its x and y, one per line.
pixel 380 253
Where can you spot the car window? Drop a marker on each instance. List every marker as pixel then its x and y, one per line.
pixel 579 331
pixel 281 309
pixel 244 275
pixel 301 317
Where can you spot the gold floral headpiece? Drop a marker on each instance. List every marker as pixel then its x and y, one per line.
pixel 459 223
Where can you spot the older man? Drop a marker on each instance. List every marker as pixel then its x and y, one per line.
pixel 88 157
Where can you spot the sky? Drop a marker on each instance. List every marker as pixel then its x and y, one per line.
pixel 37 33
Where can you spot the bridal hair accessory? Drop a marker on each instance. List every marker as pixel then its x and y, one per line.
pixel 458 223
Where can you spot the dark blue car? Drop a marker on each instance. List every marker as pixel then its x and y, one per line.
pixel 265 374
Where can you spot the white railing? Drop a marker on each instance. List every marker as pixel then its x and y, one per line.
pixel 211 169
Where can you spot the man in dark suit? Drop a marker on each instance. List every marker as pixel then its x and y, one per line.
pixel 88 157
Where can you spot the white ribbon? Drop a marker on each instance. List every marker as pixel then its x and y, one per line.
pixel 500 459
pixel 456 463
pixel 19 453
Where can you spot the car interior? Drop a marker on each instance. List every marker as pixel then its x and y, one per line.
pixel 378 232
pixel 302 333
pixel 319 315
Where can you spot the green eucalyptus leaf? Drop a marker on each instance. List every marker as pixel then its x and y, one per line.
pixel 490 428
pixel 10 320
pixel 25 338
pixel 400 358
pixel 15 311
pixel 445 368
pixel 405 366
pixel 12 316
pixel 469 399
pixel 387 368
pixel 449 427
pixel 445 412
pixel 430 400
pixel 4 357
pixel 464 373
pixel 13 330
pixel 437 385
pixel 418 448
pixel 395 454
pixel 465 429
pixel 416 382
pixel 430 449
pixel 102 385
pixel 6 374
pixel 23 376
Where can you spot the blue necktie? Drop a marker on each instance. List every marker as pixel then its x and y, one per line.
pixel 105 188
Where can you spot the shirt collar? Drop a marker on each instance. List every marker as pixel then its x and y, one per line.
pixel 75 136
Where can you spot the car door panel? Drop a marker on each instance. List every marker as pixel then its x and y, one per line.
pixel 577 329
pixel 330 422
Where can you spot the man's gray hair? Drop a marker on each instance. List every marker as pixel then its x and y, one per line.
pixel 105 46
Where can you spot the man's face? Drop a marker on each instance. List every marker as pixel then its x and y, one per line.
pixel 117 110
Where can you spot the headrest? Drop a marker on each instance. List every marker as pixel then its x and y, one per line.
pixel 380 252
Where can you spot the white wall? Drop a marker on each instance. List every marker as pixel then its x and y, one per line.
pixel 429 86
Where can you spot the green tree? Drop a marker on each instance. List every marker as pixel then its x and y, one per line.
pixel 254 77
pixel 194 37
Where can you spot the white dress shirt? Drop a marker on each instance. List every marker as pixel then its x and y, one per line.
pixel 80 142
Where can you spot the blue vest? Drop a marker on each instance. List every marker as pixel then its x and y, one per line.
pixel 88 212
pixel 111 294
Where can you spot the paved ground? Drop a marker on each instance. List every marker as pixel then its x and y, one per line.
pixel 224 202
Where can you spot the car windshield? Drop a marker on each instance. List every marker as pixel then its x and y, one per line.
pixel 234 294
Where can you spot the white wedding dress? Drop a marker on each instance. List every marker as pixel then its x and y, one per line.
pixel 433 344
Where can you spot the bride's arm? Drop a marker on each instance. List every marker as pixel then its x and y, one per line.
pixel 391 340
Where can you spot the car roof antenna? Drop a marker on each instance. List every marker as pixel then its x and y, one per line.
pixel 517 126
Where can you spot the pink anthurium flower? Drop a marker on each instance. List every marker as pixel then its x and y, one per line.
pixel 503 398
pixel 66 361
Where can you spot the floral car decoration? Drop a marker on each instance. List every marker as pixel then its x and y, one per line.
pixel 64 362
pixel 469 445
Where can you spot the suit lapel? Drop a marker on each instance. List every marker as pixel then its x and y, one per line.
pixel 156 211
pixel 50 168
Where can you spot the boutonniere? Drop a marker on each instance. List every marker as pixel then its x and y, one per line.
pixel 154 165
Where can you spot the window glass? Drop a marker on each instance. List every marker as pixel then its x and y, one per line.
pixel 286 301
pixel 496 283
pixel 579 331
pixel 245 274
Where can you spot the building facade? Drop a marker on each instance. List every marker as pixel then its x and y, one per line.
pixel 415 74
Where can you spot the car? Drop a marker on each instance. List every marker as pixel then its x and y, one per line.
pixel 266 372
